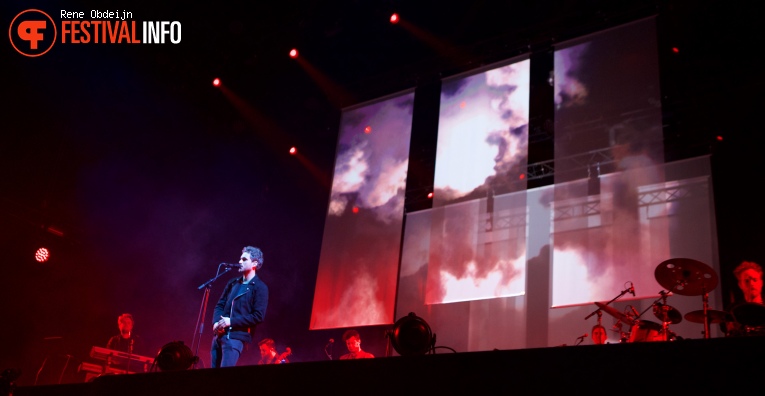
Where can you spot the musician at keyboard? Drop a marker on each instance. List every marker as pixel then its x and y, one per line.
pixel 126 341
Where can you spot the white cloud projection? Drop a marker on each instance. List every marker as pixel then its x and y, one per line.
pixel 482 133
pixel 356 282
pixel 477 246
pixel 371 166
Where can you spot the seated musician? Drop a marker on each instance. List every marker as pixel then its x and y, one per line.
pixel 353 343
pixel 268 354
pixel 125 341
pixel 599 335
pixel 749 277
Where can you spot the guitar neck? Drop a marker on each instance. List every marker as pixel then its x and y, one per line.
pixel 283 356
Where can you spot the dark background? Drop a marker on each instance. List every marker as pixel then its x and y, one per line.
pixel 154 176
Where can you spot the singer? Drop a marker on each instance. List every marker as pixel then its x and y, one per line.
pixel 242 306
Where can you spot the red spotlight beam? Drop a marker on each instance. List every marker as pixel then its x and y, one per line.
pixel 314 170
pixel 335 93
pixel 442 47
pixel 267 128
pixel 272 134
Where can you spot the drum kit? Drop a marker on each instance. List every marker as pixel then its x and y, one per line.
pixel 686 277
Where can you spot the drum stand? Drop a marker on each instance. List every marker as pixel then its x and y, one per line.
pixel 705 303
pixel 664 314
pixel 661 311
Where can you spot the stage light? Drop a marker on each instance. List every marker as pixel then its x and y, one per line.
pixel 430 195
pixel 355 209
pixel 293 53
pixel 42 255
pixel 394 18
pixel 368 129
pixel 216 82
pixel 676 50
pixel 719 138
pixel 522 176
pixel 175 356
pixel 293 150
pixel 411 335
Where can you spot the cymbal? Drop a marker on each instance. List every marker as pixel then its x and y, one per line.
pixel 714 316
pixel 673 315
pixel 686 277
pixel 749 314
pixel 615 313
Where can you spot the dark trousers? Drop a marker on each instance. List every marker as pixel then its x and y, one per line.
pixel 225 352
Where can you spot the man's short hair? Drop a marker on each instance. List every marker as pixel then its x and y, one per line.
pixel 255 255
pixel 124 317
pixel 267 342
pixel 747 265
pixel 350 333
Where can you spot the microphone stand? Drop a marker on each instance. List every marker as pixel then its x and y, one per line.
pixel 625 291
pixel 388 345
pixel 203 311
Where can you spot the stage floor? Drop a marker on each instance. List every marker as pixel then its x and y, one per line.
pixel 703 366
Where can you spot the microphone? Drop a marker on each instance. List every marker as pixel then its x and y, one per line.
pixel 634 311
pixel 581 337
pixel 331 340
pixel 227 265
pixel 632 289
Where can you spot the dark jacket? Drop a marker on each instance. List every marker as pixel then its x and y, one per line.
pixel 246 309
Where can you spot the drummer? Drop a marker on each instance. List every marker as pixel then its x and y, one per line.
pixel 749 276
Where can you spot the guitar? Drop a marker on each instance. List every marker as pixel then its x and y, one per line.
pixel 283 357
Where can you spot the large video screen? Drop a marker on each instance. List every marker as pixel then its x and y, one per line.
pixel 482 144
pixel 525 268
pixel 608 148
pixel 478 240
pixel 676 220
pixel 356 280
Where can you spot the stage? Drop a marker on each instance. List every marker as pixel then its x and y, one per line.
pixel 698 366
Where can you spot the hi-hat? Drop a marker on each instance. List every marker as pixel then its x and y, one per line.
pixel 615 313
pixel 714 316
pixel 686 277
